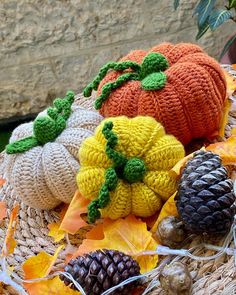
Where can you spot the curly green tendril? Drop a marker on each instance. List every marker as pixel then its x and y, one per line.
pixel 131 170
pixel 150 73
pixel 46 128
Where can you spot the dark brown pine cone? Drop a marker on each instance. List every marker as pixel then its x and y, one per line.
pixel 205 198
pixel 98 271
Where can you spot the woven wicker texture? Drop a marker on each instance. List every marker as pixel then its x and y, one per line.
pixel 32 231
pixel 210 277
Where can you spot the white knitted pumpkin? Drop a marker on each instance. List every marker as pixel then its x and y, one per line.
pixel 44 175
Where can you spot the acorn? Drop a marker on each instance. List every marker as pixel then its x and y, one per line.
pixel 175 279
pixel 170 231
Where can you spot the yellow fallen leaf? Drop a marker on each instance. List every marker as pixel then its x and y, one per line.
pixel 40 265
pixel 49 287
pixel 224 119
pixel 72 220
pixel 226 150
pixel 230 82
pixel 168 209
pixel 129 235
pixel 9 243
pixel 55 232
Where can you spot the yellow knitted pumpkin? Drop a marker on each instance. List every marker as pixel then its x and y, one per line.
pixel 125 167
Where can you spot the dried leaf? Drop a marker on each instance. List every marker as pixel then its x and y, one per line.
pixel 2 181
pixel 168 209
pixel 231 83
pixel 224 119
pixel 55 232
pixel 226 150
pixel 129 235
pixel 176 171
pixel 40 265
pixel 9 242
pixel 72 220
pixel 49 287
pixel 3 210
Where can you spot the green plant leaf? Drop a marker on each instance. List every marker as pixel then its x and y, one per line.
pixel 232 4
pixel 227 45
pixel 203 29
pixel 203 10
pixel 218 17
pixel 176 4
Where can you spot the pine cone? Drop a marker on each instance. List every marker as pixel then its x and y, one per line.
pixel 100 270
pixel 205 199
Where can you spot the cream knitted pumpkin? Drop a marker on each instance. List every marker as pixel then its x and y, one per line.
pixel 41 160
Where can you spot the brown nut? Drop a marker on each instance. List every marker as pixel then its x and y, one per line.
pixel 171 232
pixel 175 279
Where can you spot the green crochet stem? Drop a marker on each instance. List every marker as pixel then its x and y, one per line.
pixel 149 73
pixel 131 170
pixel 46 128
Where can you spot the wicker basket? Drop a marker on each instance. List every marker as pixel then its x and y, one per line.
pixel 211 277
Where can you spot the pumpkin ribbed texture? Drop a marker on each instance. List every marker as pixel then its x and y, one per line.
pixel 190 105
pixel 141 158
pixel 44 176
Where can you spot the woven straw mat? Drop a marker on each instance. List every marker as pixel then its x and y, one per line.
pixel 211 277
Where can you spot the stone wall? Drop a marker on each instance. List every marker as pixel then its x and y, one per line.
pixel 49 46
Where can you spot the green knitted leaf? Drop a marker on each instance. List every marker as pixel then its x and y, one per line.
pixel 46 128
pixel 22 145
pixel 154 81
pixel 152 63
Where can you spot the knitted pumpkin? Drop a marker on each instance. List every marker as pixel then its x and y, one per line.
pixel 179 85
pixel 41 160
pixel 125 167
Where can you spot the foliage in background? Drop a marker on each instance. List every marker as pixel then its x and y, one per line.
pixel 210 18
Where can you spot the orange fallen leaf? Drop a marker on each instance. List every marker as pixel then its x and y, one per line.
pixel 129 235
pixel 150 220
pixel 168 209
pixel 49 287
pixel 234 66
pixel 72 220
pixel 40 265
pixel 9 243
pixel 3 210
pixel 225 149
pixel 55 232
pixel 2 181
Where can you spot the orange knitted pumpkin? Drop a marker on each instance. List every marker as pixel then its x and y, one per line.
pixel 179 85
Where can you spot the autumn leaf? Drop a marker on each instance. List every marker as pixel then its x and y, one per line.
pixel 176 171
pixel 40 265
pixel 49 287
pixel 224 119
pixel 230 82
pixel 72 220
pixel 3 210
pixel 2 181
pixel 129 235
pixel 168 209
pixel 10 243
pixel 55 232
pixel 225 149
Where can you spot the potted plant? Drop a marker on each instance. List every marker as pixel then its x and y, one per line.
pixel 210 18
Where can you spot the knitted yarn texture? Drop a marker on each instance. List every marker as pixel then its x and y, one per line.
pixel 44 175
pixel 179 85
pixel 125 167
